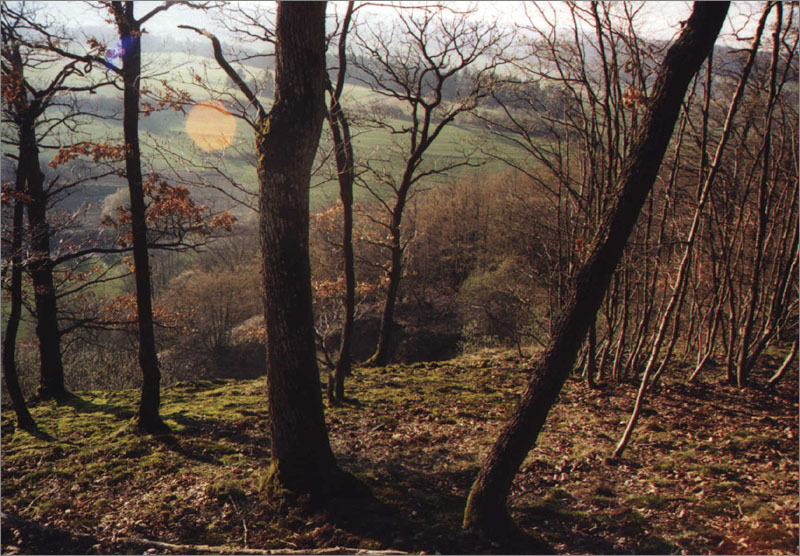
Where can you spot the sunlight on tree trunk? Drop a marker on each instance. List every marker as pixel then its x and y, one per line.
pixel 287 142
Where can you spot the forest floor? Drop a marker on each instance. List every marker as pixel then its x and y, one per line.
pixel 710 469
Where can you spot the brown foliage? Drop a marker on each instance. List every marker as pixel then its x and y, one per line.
pixel 171 208
pixel 96 151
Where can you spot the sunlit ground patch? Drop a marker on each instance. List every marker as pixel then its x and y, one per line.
pixel 211 126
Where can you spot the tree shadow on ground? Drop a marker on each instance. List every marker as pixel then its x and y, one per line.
pixel 619 529
pixel 86 406
pixel 414 511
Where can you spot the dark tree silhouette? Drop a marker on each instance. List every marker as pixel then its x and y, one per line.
pixel 10 375
pixel 25 108
pixel 486 506
pixel 343 145
pixel 129 28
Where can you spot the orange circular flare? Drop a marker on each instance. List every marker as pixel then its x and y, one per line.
pixel 211 126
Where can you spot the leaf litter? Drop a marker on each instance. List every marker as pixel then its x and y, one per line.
pixel 711 469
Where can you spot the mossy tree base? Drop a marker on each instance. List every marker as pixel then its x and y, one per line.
pixel 320 481
pixel 59 395
pixel 150 425
pixel 490 521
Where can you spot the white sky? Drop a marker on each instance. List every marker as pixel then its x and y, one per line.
pixel 661 20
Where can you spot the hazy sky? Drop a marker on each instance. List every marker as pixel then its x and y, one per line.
pixel 661 19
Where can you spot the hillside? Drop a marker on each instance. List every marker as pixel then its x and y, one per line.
pixel 714 470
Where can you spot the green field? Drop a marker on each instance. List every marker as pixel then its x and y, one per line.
pixel 164 132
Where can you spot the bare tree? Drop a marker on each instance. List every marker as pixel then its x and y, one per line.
pixel 436 49
pixel 26 48
pixel 345 166
pixel 287 138
pixel 287 143
pixel 130 33
pixel 486 507
pixel 678 288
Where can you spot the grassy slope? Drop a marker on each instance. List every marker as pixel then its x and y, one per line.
pixel 711 469
pixel 166 127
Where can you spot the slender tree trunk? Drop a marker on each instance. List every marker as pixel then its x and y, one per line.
pixel 744 347
pixel 679 288
pixel 486 507
pixel 346 172
pixel 40 266
pixel 792 355
pixel 148 418
pixel 346 178
pixel 381 355
pixel 287 143
pixel 24 418
pixel 590 368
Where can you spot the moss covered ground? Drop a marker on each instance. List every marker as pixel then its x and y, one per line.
pixel 711 469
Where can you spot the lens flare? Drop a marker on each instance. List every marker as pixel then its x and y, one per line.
pixel 211 126
pixel 116 54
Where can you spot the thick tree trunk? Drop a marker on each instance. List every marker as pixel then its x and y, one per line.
pixel 24 418
pixel 486 507
pixel 287 143
pixel 148 418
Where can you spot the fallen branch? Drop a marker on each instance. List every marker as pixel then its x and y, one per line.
pixel 54 534
pixel 226 549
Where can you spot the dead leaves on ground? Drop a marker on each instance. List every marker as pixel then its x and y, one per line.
pixel 711 469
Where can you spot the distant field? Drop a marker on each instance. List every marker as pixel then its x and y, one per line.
pixel 165 130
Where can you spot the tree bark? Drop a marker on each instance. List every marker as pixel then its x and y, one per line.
pixel 24 418
pixel 486 507
pixel 381 355
pixel 40 264
pixel 590 368
pixel 148 418
pixel 287 142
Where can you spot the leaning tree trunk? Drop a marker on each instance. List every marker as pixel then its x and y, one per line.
pixel 287 142
pixel 24 418
pixel 486 507
pixel 148 418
